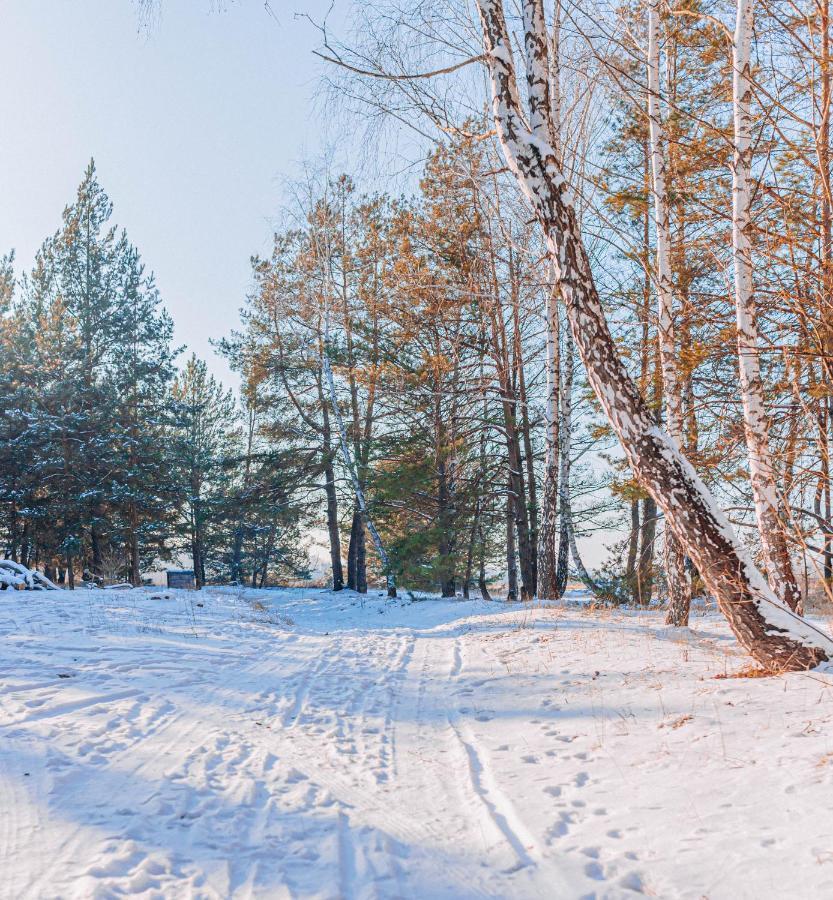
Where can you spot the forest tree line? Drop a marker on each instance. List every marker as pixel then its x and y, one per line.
pixel 113 460
pixel 408 370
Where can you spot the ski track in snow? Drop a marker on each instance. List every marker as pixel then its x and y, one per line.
pixel 304 744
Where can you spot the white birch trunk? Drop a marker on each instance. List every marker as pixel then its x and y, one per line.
pixel 548 532
pixel 777 638
pixel 679 585
pixel 762 474
pixel 350 463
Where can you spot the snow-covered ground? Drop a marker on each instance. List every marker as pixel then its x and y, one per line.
pixel 306 744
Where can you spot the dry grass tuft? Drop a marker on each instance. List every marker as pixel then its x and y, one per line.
pixel 749 672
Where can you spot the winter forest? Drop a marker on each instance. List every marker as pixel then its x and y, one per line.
pixel 532 384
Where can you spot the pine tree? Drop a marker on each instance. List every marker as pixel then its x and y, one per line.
pixel 140 371
pixel 203 442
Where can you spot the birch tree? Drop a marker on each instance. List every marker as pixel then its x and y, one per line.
pixel 679 587
pixel 768 511
pixel 775 636
pixel 548 552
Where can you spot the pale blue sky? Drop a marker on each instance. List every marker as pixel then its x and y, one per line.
pixel 193 125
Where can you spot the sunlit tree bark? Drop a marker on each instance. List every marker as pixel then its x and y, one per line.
pixel 771 521
pixel 679 585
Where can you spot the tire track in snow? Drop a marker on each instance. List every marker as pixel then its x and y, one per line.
pixel 501 811
pixel 255 772
pixel 346 859
pixel 72 706
pixel 501 815
pixel 290 719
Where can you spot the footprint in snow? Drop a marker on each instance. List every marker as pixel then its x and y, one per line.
pixel 560 828
pixel 633 882
pixel 594 870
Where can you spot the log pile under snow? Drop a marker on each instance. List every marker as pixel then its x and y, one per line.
pixel 17 577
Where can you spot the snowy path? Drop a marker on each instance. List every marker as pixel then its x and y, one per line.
pixel 314 746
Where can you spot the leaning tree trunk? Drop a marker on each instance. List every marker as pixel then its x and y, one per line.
pixel 768 510
pixel 775 636
pixel 679 584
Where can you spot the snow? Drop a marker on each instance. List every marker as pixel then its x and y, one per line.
pixel 306 744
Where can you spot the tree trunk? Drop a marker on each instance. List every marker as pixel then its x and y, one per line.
pixel 195 557
pixel 357 486
pixel 197 535
pixel 511 558
pixel 481 571
pixel 531 507
pixel 133 546
pixel 332 524
pixel 633 547
pixel 517 492
pixel 826 419
pixel 679 586
pixel 775 636
pixel 448 586
pixel 237 550
pixel 333 531
pixel 95 546
pixel 768 509
pixel 548 534
pixel 647 539
pixel 565 436
pixel 357 555
pixel 25 545
pixel 470 549
pixel 826 292
pixel 12 534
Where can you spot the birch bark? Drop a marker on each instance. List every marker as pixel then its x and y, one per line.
pixel 548 534
pixel 679 584
pixel 762 476
pixel 548 549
